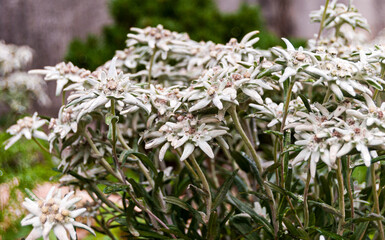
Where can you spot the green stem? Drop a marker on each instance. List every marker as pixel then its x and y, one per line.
pixel 195 175
pixel 350 192
pixel 145 171
pixel 63 98
pixel 276 159
pixel 375 95
pixel 305 195
pixel 327 95
pixel 103 161
pixel 205 184
pixel 246 140
pixel 294 211
pixel 102 197
pixel 113 142
pixel 375 200
pixel 151 64
pixel 40 145
pixel 282 130
pixel 322 20
pixel 106 229
pixel 120 177
pixel 286 107
pixel 341 199
pixel 257 160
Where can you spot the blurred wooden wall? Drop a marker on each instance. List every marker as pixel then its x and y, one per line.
pixel 48 26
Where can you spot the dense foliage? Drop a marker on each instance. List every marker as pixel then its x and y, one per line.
pixel 200 18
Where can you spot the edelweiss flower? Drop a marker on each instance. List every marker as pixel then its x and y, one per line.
pixel 108 86
pixel 314 132
pixel 270 111
pixel 156 38
pixel 220 86
pixel 296 62
pixel 189 132
pixel 356 135
pixel 27 127
pixel 338 14
pixel 65 74
pixel 53 213
pixel 342 75
pixel 165 99
pixel 370 114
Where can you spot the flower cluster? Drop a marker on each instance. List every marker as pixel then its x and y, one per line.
pixel 16 86
pixel 166 98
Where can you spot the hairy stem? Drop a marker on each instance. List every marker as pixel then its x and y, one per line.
pixel 257 160
pixel 375 200
pixel 322 20
pixel 350 192
pixel 63 98
pixel 103 161
pixel 151 64
pixel 341 199
pixel 286 107
pixel 40 145
pixel 105 228
pixel 305 195
pixel 205 184
pixel 246 140
pixel 146 173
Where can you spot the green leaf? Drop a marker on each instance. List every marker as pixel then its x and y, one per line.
pixel 243 207
pixel 70 141
pixel 271 168
pixel 369 218
pixel 247 165
pixel 360 231
pixel 223 190
pixel 115 188
pixel 326 207
pixel 142 157
pixel 182 204
pixel 306 102
pixel 276 133
pixel 243 225
pixel 31 195
pixel 110 118
pixel 151 235
pixel 283 191
pixel 212 230
pixel 295 231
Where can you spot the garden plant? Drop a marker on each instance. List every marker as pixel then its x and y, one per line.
pixel 220 141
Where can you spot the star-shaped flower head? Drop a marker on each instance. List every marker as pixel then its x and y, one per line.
pixel 27 127
pixel 53 213
pixel 338 14
pixel 65 74
pixel 108 86
pixel 296 62
pixel 188 132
